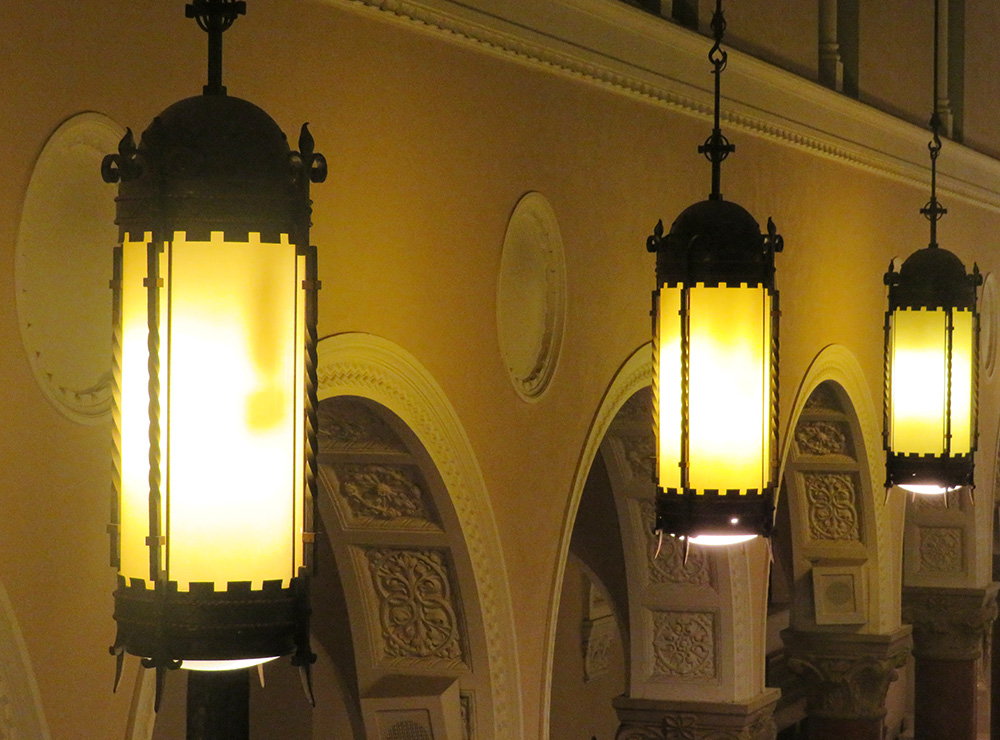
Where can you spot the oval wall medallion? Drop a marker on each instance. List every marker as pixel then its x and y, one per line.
pixel 63 264
pixel 989 326
pixel 531 296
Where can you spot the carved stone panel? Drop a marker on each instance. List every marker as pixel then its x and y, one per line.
pixel 684 644
pixel 376 493
pixel 824 398
pixel 348 425
pixel 846 676
pixel 950 624
pixel 645 719
pixel 833 512
pixel 669 567
pixel 820 438
pixel 941 549
pixel 417 606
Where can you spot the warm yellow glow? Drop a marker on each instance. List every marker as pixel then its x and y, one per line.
pixel 135 411
pixel 729 388
pixel 667 374
pixel 224 665
pixel 298 473
pixel 928 490
pixel 963 337
pixel 230 408
pixel 720 540
pixel 919 382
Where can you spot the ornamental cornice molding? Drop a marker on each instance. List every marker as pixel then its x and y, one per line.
pixel 950 623
pixel 846 676
pixel 638 54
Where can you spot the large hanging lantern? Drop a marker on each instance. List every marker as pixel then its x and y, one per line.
pixel 715 358
pixel 931 358
pixel 214 334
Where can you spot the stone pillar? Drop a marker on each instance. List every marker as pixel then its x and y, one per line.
pixel 652 719
pixel 831 68
pixel 951 631
pixel 846 677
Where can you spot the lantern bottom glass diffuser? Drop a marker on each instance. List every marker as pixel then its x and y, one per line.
pixel 716 540
pixel 928 489
pixel 225 665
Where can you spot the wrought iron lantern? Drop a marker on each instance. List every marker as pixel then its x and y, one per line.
pixel 214 333
pixel 931 357
pixel 715 359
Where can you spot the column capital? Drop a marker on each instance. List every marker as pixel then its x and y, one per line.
pixel 950 623
pixel 651 719
pixel 846 675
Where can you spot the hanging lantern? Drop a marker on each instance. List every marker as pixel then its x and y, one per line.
pixel 931 372
pixel 715 357
pixel 214 334
pixel 930 429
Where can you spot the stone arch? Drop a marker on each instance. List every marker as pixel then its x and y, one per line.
pixel 710 600
pixel 843 528
pixel 21 713
pixel 449 534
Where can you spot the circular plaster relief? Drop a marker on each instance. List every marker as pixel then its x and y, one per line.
pixel 989 326
pixel 531 296
pixel 63 264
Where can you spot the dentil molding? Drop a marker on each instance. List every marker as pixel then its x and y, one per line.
pixel 624 49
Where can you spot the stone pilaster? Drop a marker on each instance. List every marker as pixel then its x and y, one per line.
pixel 952 628
pixel 650 719
pixel 950 623
pixel 846 675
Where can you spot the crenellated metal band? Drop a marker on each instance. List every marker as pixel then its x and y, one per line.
pixel 163 624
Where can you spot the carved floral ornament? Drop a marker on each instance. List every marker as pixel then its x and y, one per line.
pixel 940 549
pixel 689 726
pixel 832 499
pixel 841 687
pixel 684 644
pixel 822 438
pixel 950 624
pixel 382 492
pixel 416 601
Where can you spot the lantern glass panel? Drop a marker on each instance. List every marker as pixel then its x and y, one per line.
pixel 134 404
pixel 232 417
pixel 231 394
pixel 729 387
pixel 920 389
pixel 667 358
pixel 729 381
pixel 963 339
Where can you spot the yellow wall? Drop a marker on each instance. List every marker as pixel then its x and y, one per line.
pixel 430 144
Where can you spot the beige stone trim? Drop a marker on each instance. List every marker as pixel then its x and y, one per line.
pixel 638 54
pixel 846 676
pixel 950 623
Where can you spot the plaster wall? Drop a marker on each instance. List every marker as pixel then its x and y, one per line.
pixel 431 142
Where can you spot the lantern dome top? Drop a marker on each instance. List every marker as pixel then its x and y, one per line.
pixel 932 277
pixel 211 163
pixel 714 242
